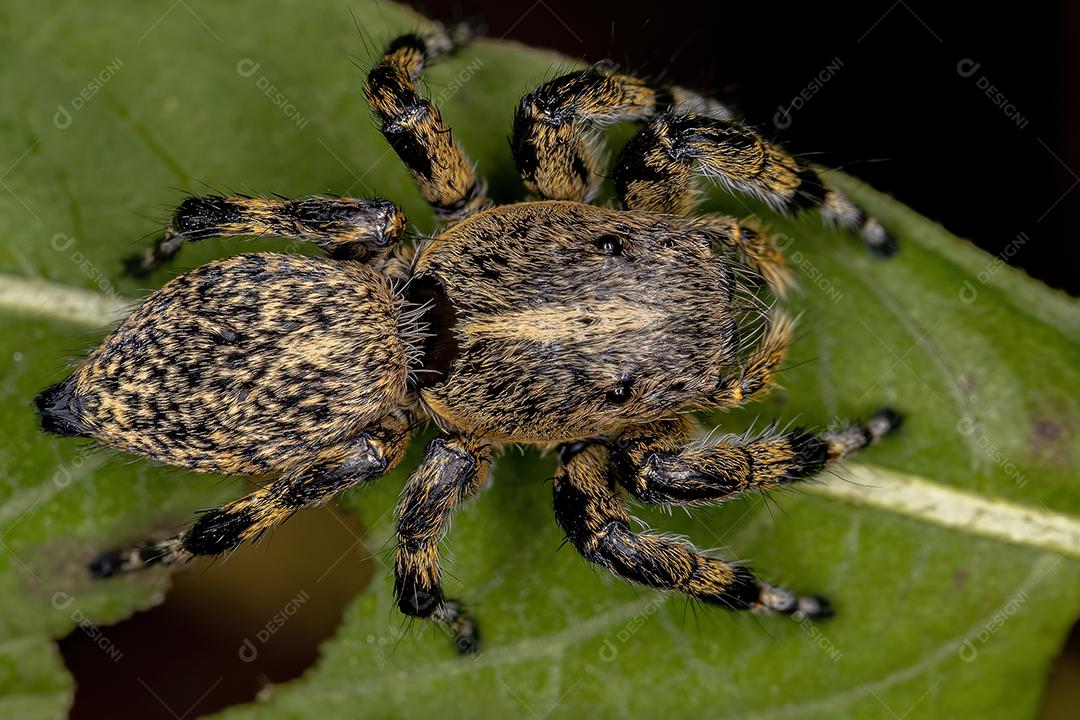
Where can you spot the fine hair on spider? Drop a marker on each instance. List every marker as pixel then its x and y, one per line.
pixel 550 322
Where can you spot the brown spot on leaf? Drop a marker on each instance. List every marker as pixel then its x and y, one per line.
pixel 1046 429
pixel 1052 434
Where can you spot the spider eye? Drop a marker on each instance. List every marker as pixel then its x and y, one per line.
pixel 621 394
pixel 609 245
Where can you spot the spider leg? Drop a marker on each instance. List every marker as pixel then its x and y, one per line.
pixel 655 171
pixel 217 531
pixel 414 126
pixel 453 470
pixel 753 245
pixel 555 142
pixel 657 464
pixel 592 513
pixel 345 227
pixel 757 373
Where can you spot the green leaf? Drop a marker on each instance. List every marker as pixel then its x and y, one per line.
pixel 950 550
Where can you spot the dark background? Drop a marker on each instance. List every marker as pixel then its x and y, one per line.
pixel 897 113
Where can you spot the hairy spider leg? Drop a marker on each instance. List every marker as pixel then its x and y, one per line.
pixel 453 470
pixel 415 129
pixel 657 170
pixel 556 144
pixel 345 227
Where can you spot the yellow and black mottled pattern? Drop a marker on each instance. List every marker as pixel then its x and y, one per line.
pixel 250 365
pixel 345 227
pixel 415 129
pixel 551 322
pixel 555 141
pixel 596 522
pixel 757 374
pixel 657 465
pixel 637 315
pixel 755 248
pixel 453 470
pixel 656 171
pixel 368 454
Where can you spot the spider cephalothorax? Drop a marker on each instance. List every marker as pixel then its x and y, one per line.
pixel 551 322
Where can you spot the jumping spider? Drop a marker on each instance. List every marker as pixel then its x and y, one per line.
pixel 550 322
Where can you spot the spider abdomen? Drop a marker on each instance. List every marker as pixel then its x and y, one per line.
pixel 242 364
